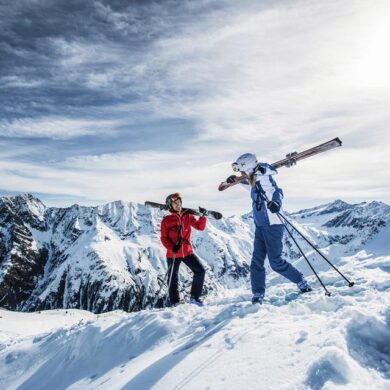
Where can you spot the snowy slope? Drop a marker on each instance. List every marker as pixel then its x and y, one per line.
pixel 290 342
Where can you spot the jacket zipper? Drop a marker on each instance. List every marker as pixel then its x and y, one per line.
pixel 181 231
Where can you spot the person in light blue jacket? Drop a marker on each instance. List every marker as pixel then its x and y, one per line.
pixel 269 228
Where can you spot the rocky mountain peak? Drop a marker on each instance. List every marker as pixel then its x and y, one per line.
pixel 110 256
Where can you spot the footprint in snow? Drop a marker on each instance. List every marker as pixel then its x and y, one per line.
pixel 302 337
pixel 368 341
pixel 329 368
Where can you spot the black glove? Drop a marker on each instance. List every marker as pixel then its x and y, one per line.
pixel 273 206
pixel 177 246
pixel 231 179
pixel 203 211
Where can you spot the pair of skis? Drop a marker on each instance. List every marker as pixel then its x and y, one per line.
pixel 290 160
pixel 206 213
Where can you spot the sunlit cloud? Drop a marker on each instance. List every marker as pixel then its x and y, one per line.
pixel 137 101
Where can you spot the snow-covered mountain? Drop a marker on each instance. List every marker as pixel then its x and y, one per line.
pixel 103 258
pixel 110 257
pixel 343 223
pixel 292 341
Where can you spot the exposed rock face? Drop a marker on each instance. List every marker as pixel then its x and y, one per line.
pixel 22 261
pixel 110 257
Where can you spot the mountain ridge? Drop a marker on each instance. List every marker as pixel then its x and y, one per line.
pixel 109 256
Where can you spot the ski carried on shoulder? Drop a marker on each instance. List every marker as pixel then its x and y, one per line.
pixel 291 159
pixel 204 212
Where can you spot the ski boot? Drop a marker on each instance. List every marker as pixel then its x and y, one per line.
pixel 196 301
pixel 303 286
pixel 257 298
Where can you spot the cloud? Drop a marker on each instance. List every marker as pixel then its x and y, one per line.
pixel 347 173
pixel 55 127
pixel 252 74
pixel 136 99
pixel 135 176
pixel 152 175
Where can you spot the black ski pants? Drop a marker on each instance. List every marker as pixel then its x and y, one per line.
pixel 194 264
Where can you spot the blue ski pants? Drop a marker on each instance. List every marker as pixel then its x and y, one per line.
pixel 269 241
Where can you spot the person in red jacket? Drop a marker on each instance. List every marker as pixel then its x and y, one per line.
pixel 176 238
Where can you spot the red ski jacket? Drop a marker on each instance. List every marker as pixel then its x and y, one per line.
pixel 173 226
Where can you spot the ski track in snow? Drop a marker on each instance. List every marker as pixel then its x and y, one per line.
pixel 292 341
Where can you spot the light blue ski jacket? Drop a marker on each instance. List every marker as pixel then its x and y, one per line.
pixel 264 181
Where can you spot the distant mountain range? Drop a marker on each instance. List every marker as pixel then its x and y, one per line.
pixel 110 257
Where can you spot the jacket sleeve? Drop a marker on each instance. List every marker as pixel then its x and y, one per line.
pixel 266 169
pixel 278 195
pixel 166 241
pixel 198 224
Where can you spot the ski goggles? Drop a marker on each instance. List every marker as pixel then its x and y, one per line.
pixel 237 167
pixel 175 197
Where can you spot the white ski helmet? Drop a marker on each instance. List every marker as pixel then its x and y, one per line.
pixel 246 162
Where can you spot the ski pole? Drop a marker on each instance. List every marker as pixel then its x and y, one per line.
pixel 164 282
pixel 265 198
pixel 170 279
pixel 327 293
pixel 178 244
pixel 350 283
pixel 161 286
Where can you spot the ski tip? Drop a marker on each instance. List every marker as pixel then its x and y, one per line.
pixel 222 186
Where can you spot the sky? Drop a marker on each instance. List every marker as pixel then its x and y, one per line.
pixel 133 100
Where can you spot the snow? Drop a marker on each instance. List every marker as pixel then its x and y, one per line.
pixel 292 341
pixel 117 246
